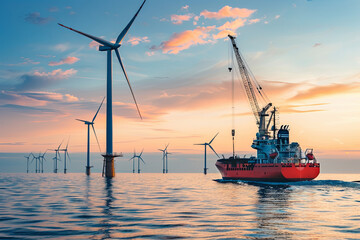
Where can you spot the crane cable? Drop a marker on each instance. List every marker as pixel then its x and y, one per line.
pixel 230 68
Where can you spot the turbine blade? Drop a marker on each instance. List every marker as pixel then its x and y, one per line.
pixel 213 151
pixel 161 150
pixel 142 160
pixel 199 144
pixel 141 153
pixel 127 79
pixel 96 39
pixel 96 137
pixel 67 144
pixel 126 29
pixel 67 153
pixel 81 120
pixel 98 110
pixel 60 144
pixel 167 146
pixel 213 138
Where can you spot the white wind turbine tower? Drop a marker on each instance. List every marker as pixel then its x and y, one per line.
pixel 108 47
pixel 205 145
pixel 88 123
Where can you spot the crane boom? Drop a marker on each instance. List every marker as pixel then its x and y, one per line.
pixel 247 81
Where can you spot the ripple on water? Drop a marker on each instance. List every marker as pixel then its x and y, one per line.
pixel 78 207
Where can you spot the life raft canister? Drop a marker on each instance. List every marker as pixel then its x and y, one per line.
pixel 310 156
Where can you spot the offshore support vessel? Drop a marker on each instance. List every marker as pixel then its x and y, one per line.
pixel 277 159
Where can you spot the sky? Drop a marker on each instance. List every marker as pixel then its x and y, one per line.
pixel 304 54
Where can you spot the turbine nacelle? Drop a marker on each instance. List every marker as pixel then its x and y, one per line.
pixel 103 48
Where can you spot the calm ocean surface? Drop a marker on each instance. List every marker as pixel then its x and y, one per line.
pixel 176 206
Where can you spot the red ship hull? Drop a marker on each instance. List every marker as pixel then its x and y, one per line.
pixel 274 172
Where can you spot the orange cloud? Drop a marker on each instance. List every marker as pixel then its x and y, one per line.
pixel 251 21
pixel 228 12
pixel 186 7
pixel 93 44
pixel 136 40
pixel 56 74
pixel 223 34
pixel 178 19
pixel 67 60
pixel 323 91
pixel 233 25
pixel 184 40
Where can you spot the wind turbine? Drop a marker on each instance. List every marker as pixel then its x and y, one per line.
pixel 108 47
pixel 56 157
pixel 205 145
pixel 133 158
pixel 165 153
pixel 41 161
pixel 36 162
pixel 27 162
pixel 88 167
pixel 138 158
pixel 66 154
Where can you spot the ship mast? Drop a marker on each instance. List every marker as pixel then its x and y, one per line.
pixel 260 114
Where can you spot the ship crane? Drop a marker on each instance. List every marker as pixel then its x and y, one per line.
pixel 260 114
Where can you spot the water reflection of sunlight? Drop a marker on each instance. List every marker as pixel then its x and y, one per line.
pixel 273 211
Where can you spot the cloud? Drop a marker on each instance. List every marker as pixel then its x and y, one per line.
pixel 53 9
pixel 42 79
pixel 324 91
pixel 200 35
pixel 35 18
pixel 223 34
pixel 151 53
pixel 24 62
pixel 93 44
pixel 184 40
pixel 317 45
pixel 255 20
pixel 228 12
pixel 30 109
pixel 232 26
pixel 186 7
pixel 136 40
pixel 277 16
pixel 62 47
pixel 179 19
pixel 12 144
pixel 67 60
pixel 35 98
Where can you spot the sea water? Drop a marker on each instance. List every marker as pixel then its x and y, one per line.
pixel 176 206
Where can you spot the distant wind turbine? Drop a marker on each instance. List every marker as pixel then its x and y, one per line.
pixel 138 158
pixel 205 145
pixel 88 123
pixel 41 160
pixel 109 47
pixel 164 158
pixel 56 157
pixel 27 162
pixel 36 162
pixel 66 154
